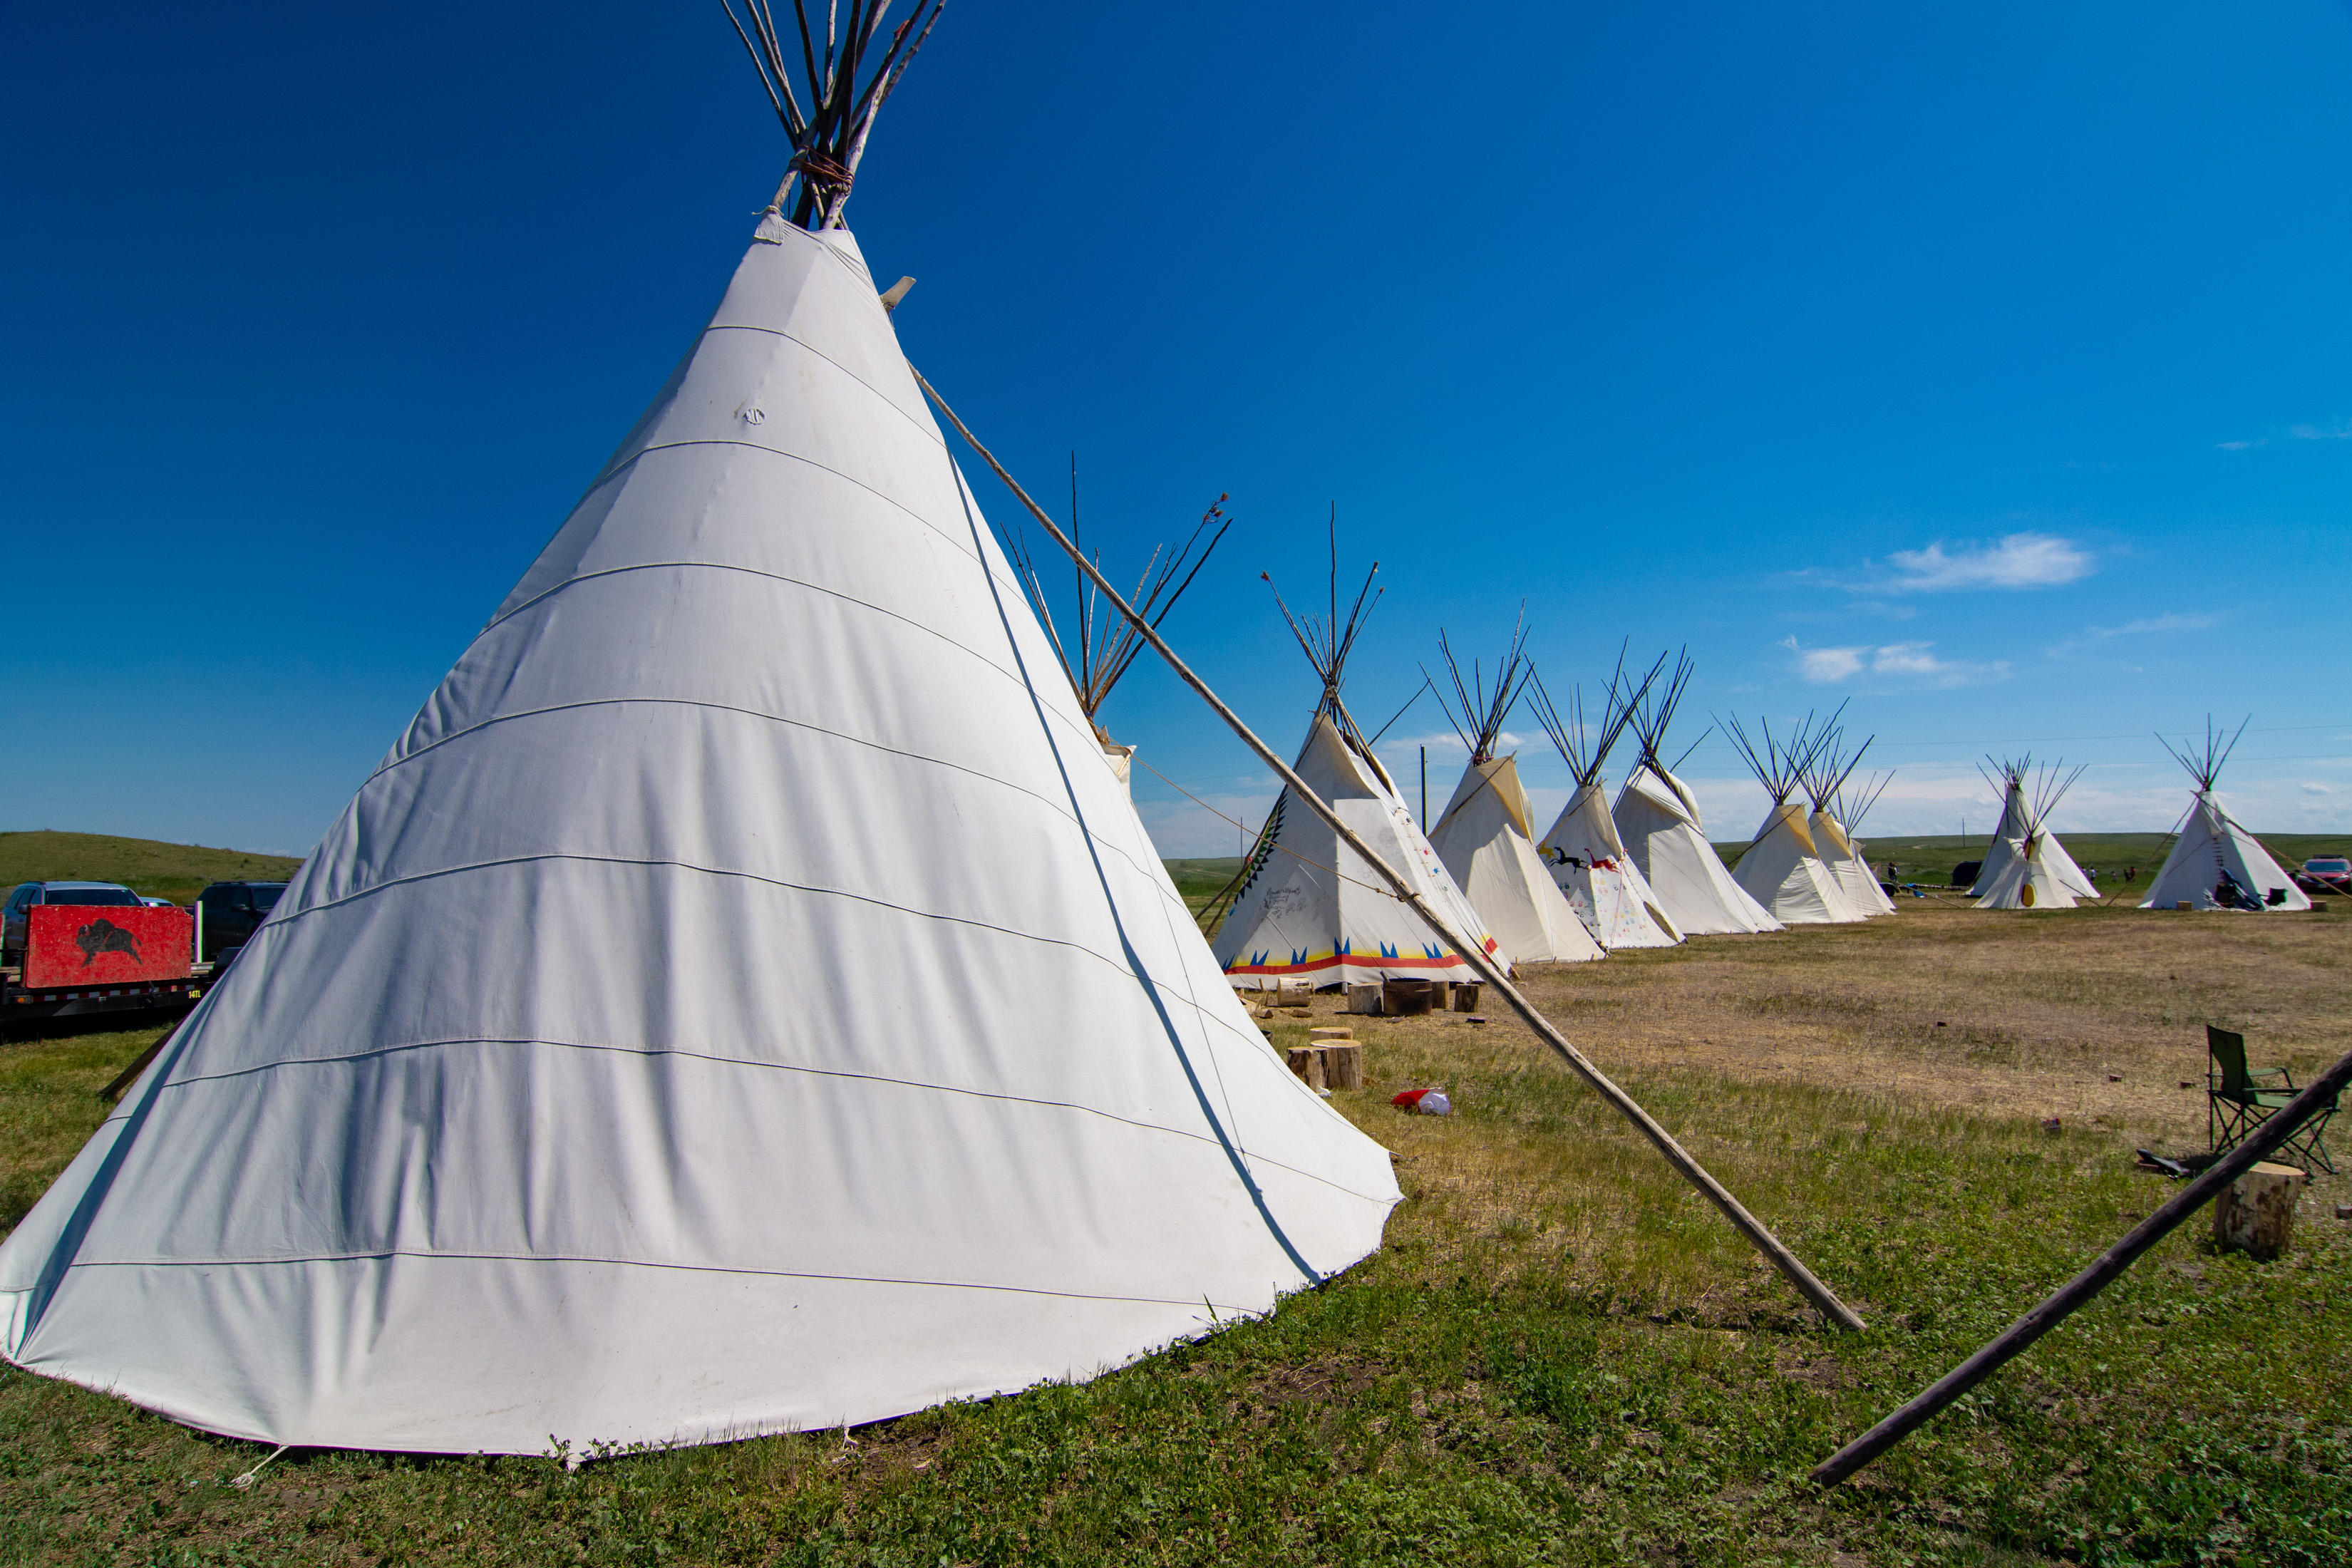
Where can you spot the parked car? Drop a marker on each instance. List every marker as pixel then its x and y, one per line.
pixel 231 911
pixel 2326 874
pixel 14 920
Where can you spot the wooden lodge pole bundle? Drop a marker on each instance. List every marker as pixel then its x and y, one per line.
pixel 2281 1126
pixel 1746 1224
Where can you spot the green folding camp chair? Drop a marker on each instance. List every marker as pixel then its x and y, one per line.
pixel 2239 1098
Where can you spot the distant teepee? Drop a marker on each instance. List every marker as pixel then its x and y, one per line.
pixel 1825 777
pixel 1308 908
pixel 1783 868
pixel 1586 857
pixel 1099 646
pixel 2033 868
pixel 1658 821
pixel 1485 836
pixel 2013 779
pixel 739 1002
pixel 2216 864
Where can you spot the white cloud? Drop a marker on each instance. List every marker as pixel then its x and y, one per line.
pixel 2151 625
pixel 2173 623
pixel 2017 560
pixel 1909 659
pixel 2240 445
pixel 1828 665
pixel 1825 665
pixel 2316 789
pixel 2316 433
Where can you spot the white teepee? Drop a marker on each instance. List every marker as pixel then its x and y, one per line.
pixel 741 1001
pixel 1582 849
pixel 2034 866
pixel 1824 781
pixel 1099 646
pixel 1658 821
pixel 2216 864
pixel 2008 778
pixel 1486 834
pixel 1306 906
pixel 1783 868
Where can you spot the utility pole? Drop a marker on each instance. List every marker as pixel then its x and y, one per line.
pixel 1424 789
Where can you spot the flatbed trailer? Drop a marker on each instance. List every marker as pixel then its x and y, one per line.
pixel 82 961
pixel 20 1004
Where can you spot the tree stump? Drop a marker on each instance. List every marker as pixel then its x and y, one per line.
pixel 1343 1065
pixel 1328 1032
pixel 1465 997
pixel 1306 1061
pixel 1405 998
pixel 1365 998
pixel 2256 1215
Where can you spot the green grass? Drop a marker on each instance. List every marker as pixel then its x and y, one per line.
pixel 1559 1357
pixel 148 865
pixel 1931 859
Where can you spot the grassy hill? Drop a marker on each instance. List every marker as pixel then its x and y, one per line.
pixel 1198 879
pixel 173 871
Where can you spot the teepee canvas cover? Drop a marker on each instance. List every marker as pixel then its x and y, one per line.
pixel 2030 878
pixel 742 1000
pixel 1486 834
pixel 1825 784
pixel 1657 820
pixel 2216 864
pixel 1586 857
pixel 1312 910
pixel 1783 868
pixel 2017 822
pixel 1485 841
pixel 2213 848
pixel 1601 880
pixel 2034 866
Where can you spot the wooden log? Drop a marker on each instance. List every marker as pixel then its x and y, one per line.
pixel 2274 1130
pixel 1405 998
pixel 1306 1061
pixel 1365 998
pixel 2255 1214
pixel 1343 1065
pixel 1326 1032
pixel 1465 997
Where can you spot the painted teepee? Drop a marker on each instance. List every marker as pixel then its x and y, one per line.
pixel 741 1000
pixel 1658 821
pixel 2009 778
pixel 1486 836
pixel 1306 906
pixel 1825 780
pixel 2034 866
pixel 1586 857
pixel 1782 867
pixel 2215 864
pixel 1095 647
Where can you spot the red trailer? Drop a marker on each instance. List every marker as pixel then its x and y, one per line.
pixel 85 959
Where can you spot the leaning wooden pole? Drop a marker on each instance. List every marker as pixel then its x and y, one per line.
pixel 2282 1125
pixel 1746 1224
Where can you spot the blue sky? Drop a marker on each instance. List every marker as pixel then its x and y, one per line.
pixel 1989 368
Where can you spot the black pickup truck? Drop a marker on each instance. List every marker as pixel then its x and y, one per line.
pixel 227 914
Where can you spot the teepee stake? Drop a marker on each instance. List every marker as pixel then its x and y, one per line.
pixel 1746 1224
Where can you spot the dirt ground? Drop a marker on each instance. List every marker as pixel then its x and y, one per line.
pixel 2095 1016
